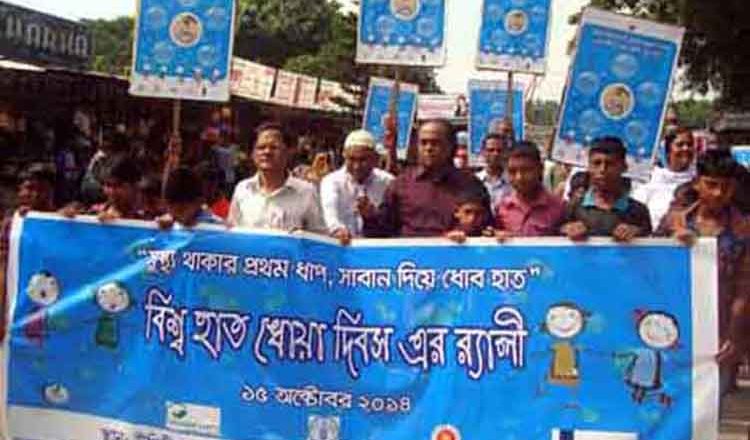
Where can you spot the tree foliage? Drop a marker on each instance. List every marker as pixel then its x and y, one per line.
pixel 113 44
pixel 714 52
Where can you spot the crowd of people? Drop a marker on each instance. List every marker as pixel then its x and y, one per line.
pixel 692 196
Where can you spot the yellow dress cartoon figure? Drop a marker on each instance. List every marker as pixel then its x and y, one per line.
pixel 564 322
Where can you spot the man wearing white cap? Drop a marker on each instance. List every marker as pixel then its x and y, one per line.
pixel 342 190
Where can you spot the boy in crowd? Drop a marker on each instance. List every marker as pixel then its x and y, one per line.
pixel 151 203
pixel 606 209
pixel 715 215
pixel 35 193
pixel 185 201
pixel 529 210
pixel 470 216
pixel 211 181
pixel 121 190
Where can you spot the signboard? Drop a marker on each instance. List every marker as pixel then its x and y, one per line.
pixel 285 92
pixel 378 106
pixel 405 32
pixel 489 107
pixel 514 35
pixel 307 92
pixel 252 80
pixel 28 35
pixel 619 85
pixel 442 106
pixel 209 334
pixel 183 49
pixel 742 155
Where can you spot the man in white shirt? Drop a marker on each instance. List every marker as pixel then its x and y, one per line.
pixel 342 190
pixel 272 199
pixel 494 148
pixel 658 193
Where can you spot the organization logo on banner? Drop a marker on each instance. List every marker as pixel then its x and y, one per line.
pixel 445 432
pixel 323 428
pixel 197 419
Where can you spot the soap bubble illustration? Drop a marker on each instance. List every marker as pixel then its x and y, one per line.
pixel 588 83
pixel 207 55
pixel 163 52
pixel 426 27
pixel 590 121
pixel 624 66
pixel 636 132
pixel 216 18
pixel 156 17
pixel 649 94
pixel 495 12
pixel 386 25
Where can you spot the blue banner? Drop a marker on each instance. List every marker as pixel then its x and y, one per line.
pixel 377 110
pixel 183 49
pixel 619 85
pixel 514 35
pixel 401 32
pixel 742 155
pixel 488 106
pixel 236 335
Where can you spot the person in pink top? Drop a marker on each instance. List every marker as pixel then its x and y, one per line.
pixel 529 210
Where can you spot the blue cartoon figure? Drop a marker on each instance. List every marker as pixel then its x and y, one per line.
pixel 113 299
pixel 564 322
pixel 43 291
pixel 658 331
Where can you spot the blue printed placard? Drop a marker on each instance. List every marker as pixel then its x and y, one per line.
pixel 209 334
pixel 401 32
pixel 378 106
pixel 619 85
pixel 183 49
pixel 742 155
pixel 514 35
pixel 488 107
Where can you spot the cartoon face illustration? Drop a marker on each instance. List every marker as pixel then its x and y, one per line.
pixel 186 29
pixel 113 298
pixel 405 9
pixel 43 289
pixel 56 394
pixel 617 101
pixel 564 321
pixel 658 330
pixel 516 22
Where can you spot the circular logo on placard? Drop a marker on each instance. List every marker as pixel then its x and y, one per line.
pixel 445 432
pixel 516 22
pixel 617 101
pixel 186 29
pixel 405 9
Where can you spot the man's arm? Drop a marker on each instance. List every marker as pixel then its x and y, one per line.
pixel 329 200
pixel 385 221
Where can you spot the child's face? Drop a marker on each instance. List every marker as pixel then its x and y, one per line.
pixel 34 194
pixel 119 194
pixel 658 330
pixel 525 175
pixel 185 213
pixel 470 217
pixel 564 322
pixel 606 171
pixel 715 193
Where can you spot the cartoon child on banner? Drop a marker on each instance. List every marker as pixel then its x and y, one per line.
pixel 564 321
pixel 405 9
pixel 113 299
pixel 658 331
pixel 44 291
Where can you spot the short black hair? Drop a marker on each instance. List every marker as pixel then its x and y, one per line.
pixel 41 172
pixel 273 126
pixel 527 150
pixel 609 145
pixel 450 131
pixel 503 139
pixel 718 163
pixel 183 186
pixel 124 169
